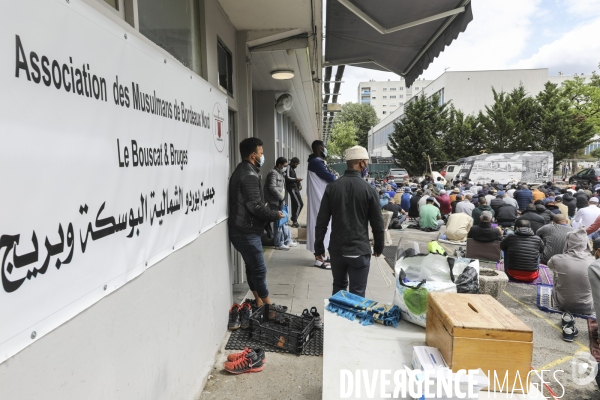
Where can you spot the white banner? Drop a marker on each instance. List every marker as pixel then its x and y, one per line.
pixel 113 156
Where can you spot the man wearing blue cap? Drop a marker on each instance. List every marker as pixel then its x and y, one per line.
pixel 430 218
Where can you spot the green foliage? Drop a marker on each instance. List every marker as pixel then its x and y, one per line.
pixel 595 153
pixel 561 128
pixel 363 116
pixel 464 136
pixel 419 134
pixel 511 123
pixel 584 98
pixel 343 136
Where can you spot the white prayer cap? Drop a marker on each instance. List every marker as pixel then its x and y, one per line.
pixel 357 153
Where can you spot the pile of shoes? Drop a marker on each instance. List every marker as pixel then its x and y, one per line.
pixel 314 315
pixel 239 314
pixel 249 360
pixel 570 332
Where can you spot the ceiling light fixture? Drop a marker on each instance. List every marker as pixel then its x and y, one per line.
pixel 282 74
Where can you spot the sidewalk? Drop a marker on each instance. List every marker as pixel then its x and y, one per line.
pixel 294 282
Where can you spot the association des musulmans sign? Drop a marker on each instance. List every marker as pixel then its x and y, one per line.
pixel 113 156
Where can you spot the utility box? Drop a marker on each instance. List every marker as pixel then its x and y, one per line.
pixel 475 331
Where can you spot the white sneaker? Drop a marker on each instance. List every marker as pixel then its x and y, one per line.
pixel 282 247
pixel 322 264
pixel 292 244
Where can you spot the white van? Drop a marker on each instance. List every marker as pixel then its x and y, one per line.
pixel 532 167
pixel 450 171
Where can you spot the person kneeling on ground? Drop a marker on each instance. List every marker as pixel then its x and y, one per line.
pixel 572 291
pixel 458 227
pixel 594 276
pixel 554 236
pixel 398 215
pixel 535 220
pixel 521 252
pixel 484 232
pixel 430 218
pixel 507 215
pixel 483 206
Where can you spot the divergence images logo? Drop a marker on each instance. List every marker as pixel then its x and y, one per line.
pixel 218 127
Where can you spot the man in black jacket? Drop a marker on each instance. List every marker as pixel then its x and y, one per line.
pixel 582 199
pixel 292 184
pixel 484 232
pixel 521 252
pixel 571 202
pixel 507 215
pixel 351 203
pixel 530 214
pixel 248 216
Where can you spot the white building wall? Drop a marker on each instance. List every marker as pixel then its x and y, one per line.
pixel 380 89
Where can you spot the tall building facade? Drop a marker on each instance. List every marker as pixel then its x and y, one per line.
pixel 387 96
pixel 469 91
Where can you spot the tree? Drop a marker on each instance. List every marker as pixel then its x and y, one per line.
pixel 418 134
pixel 363 116
pixel 343 136
pixel 584 98
pixel 595 153
pixel 561 128
pixel 464 136
pixel 511 123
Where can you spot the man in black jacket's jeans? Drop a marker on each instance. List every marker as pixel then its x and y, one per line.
pixel 351 203
pixel 292 184
pixel 248 216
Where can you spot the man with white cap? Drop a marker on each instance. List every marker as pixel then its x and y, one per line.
pixel 587 215
pixel 351 204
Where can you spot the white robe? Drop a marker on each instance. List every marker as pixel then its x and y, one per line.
pixel 315 190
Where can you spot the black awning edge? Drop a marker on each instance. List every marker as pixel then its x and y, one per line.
pixel 447 36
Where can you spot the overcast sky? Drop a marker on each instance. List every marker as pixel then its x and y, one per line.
pixel 562 35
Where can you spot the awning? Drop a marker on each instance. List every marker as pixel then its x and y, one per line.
pixel 400 36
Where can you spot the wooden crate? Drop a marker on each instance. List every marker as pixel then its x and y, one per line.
pixel 476 331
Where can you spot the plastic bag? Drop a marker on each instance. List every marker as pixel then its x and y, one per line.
pixel 468 281
pixel 411 297
pixel 432 267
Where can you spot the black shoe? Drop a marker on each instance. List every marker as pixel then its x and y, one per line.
pixel 317 317
pixel 567 319
pixel 295 225
pixel 569 333
pixel 245 311
pixel 277 307
pixel 234 317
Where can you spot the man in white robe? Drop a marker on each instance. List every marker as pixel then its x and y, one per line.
pixel 318 178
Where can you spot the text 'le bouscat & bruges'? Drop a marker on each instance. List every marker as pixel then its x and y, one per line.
pixel 138 156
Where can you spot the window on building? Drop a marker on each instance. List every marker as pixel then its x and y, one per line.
pixel 417 88
pixel 385 112
pixel 373 90
pixel 401 87
pixel 385 97
pixel 385 105
pixel 393 89
pixel 113 3
pixel 401 104
pixel 392 97
pixel 392 104
pixel 373 98
pixel 225 61
pixel 175 27
pixel 401 96
pixel 384 89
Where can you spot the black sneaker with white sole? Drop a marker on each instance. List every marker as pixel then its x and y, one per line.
pixel 317 318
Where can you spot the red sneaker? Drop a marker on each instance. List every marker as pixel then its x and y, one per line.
pixel 237 356
pixel 251 362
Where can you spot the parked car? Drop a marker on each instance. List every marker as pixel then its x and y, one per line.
pixel 398 175
pixel 590 176
pixel 450 171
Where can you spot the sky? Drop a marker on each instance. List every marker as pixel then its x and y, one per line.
pixel 561 35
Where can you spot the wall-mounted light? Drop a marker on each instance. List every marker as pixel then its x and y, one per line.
pixel 282 74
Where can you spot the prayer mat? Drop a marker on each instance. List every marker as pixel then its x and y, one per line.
pixel 544 278
pixel 593 333
pixel 545 302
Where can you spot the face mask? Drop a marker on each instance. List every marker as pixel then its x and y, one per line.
pixel 365 171
pixel 261 161
pixel 325 152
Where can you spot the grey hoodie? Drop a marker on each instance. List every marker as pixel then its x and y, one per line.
pixel 572 290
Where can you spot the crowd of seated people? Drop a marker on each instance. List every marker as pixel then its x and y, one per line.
pixel 543 225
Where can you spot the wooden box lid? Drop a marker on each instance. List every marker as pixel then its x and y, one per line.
pixel 477 316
